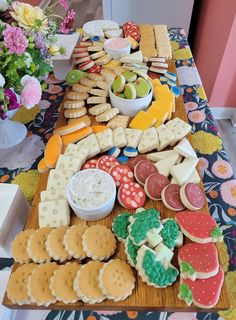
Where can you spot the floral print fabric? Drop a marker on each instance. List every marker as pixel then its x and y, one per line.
pixel 217 175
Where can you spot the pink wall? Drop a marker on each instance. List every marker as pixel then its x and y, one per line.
pixel 214 27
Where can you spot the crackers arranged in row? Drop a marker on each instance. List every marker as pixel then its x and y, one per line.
pixel 63 243
pixel 147 41
pixel 162 41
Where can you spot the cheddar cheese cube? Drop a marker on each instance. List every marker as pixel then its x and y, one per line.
pixel 142 121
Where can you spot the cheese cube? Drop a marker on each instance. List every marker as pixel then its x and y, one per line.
pixel 105 139
pixel 52 194
pixel 54 213
pixel 165 137
pixel 158 113
pixel 179 128
pixel 90 143
pixel 133 137
pixel 68 163
pixel 149 140
pixel 142 121
pixel 75 151
pixel 183 171
pixel 59 178
pixel 119 137
pixel 164 166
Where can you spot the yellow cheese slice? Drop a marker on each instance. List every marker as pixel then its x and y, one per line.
pixel 42 167
pixel 53 150
pixel 158 113
pixel 158 90
pixel 76 136
pixel 142 121
pixel 156 82
pixel 97 129
pixel 165 101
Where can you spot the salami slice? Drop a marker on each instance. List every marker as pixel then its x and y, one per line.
pixel 154 185
pixel 121 174
pixel 131 195
pixel 192 196
pixel 90 164
pixel 95 69
pixel 133 161
pixel 170 196
pixel 143 169
pixel 105 163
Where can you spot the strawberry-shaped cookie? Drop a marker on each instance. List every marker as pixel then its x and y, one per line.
pixel 198 261
pixel 204 293
pixel 199 227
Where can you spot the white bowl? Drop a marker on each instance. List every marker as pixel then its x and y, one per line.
pixel 117 47
pixel 96 213
pixel 130 107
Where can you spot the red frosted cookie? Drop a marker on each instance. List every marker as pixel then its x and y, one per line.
pixel 154 185
pixel 131 195
pixel 95 69
pixel 121 174
pixel 192 196
pixel 105 163
pixel 204 293
pixel 90 164
pixel 199 227
pixel 171 198
pixel 198 260
pixel 86 65
pixel 143 169
pixel 133 161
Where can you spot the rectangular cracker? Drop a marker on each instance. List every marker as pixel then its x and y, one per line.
pixel 105 139
pixel 52 194
pixel 96 100
pixel 119 121
pixel 149 140
pixel 119 137
pixel 99 109
pixel 108 115
pixel 90 143
pixel 54 213
pixel 65 162
pixel 59 178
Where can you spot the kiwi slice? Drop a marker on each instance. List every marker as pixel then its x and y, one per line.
pixel 73 76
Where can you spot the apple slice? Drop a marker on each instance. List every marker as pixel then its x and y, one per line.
pixel 204 293
pixel 199 227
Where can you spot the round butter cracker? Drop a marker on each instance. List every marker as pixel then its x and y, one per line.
pixel 36 247
pixel 55 246
pixel 19 246
pixel 99 242
pixel 73 241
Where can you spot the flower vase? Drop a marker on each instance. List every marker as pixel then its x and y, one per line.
pixel 11 132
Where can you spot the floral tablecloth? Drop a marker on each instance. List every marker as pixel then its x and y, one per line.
pixel 20 166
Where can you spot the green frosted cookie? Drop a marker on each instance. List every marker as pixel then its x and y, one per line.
pixel 131 251
pixel 118 84
pixel 73 77
pixel 152 271
pixel 142 87
pixel 170 233
pixel 121 95
pixel 130 91
pixel 85 74
pixel 120 226
pixel 142 215
pixel 129 76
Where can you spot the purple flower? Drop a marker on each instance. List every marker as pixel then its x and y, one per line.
pixel 15 39
pixel 3 115
pixel 64 4
pixel 66 25
pixel 12 99
pixel 39 41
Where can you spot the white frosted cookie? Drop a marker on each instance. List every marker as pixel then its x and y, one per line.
pixel 86 283
pixel 55 246
pixel 36 247
pixel 73 241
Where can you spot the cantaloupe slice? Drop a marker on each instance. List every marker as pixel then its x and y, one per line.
pixel 97 129
pixel 53 150
pixel 76 136
pixel 42 167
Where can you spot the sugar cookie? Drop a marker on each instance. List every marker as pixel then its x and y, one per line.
pixel 19 246
pixel 77 95
pixel 73 241
pixel 80 88
pixel 55 246
pixel 36 247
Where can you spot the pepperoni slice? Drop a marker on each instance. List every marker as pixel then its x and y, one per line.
pixel 192 196
pixel 105 163
pixel 121 174
pixel 133 161
pixel 154 185
pixel 143 169
pixel 95 69
pixel 170 196
pixel 90 164
pixel 131 195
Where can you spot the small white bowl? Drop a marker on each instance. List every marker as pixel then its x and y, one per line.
pixel 92 214
pixel 130 107
pixel 117 47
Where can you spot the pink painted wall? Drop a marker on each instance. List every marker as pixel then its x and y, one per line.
pixel 215 24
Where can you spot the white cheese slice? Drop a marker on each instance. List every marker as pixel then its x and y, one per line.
pixel 54 213
pixel 183 171
pixel 119 137
pixel 96 27
pixel 114 33
pixel 105 139
pixel 136 57
pixel 165 137
pixel 59 178
pixel 52 194
pixel 68 163
pixel 90 143
pixel 149 140
pixel 185 148
pixel 75 151
pixel 163 254
pixel 133 137
pixel 156 156
pixel 194 177
pixel 163 166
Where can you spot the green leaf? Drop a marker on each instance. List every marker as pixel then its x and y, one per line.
pixel 185 293
pixel 185 267
pixel 216 233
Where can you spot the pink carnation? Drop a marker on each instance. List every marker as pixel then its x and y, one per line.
pixel 31 92
pixel 67 23
pixel 15 39
pixel 64 4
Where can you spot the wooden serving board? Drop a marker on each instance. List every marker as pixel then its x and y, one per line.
pixel 144 297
